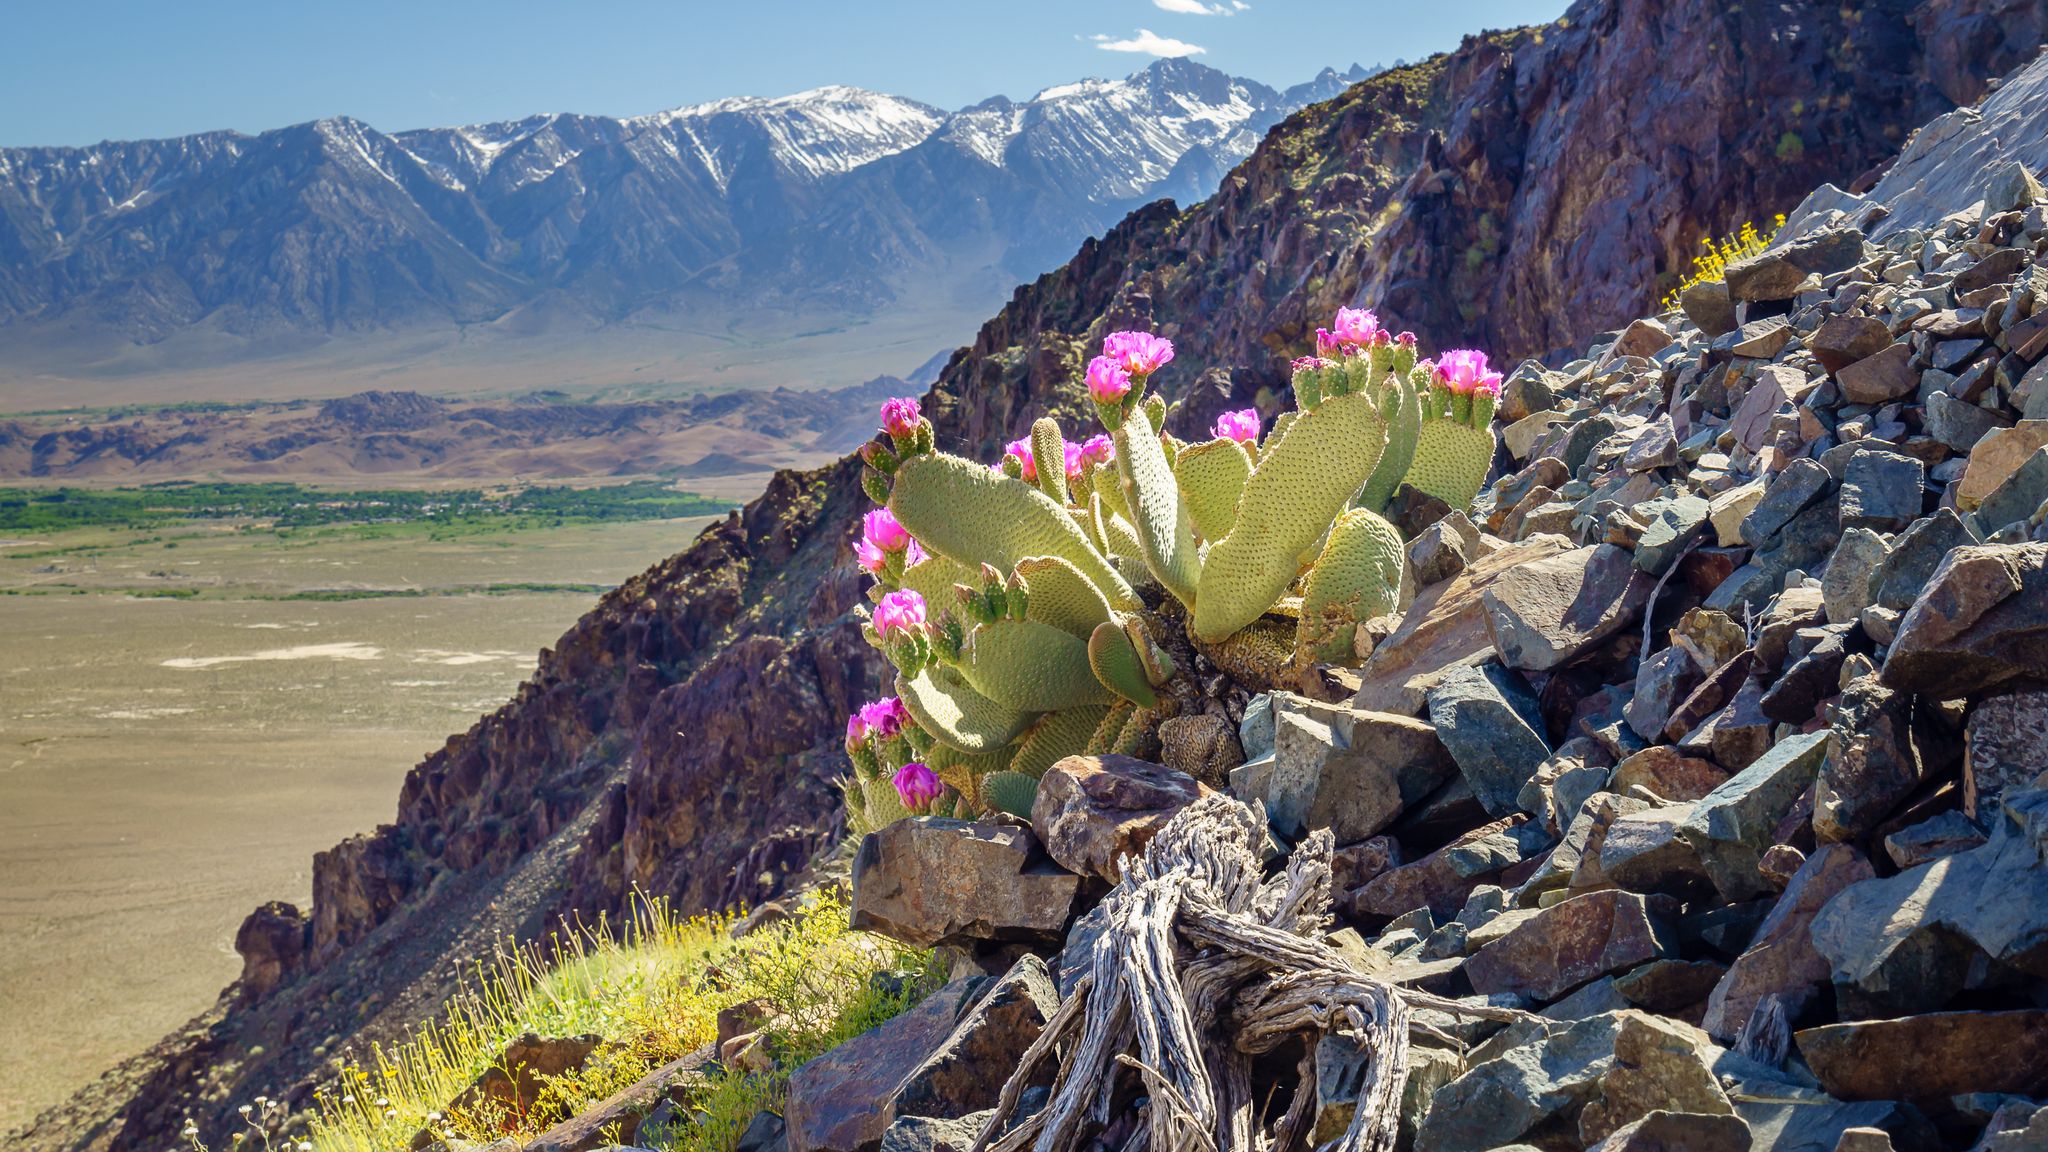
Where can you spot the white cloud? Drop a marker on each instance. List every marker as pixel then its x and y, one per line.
pixel 1149 43
pixel 1240 5
pixel 1190 8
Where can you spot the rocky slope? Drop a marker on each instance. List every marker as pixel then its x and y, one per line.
pixel 683 736
pixel 826 198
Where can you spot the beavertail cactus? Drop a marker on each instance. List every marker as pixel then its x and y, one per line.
pixel 1455 447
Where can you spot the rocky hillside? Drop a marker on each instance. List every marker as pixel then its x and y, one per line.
pixel 682 738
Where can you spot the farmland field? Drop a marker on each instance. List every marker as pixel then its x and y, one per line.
pixel 190 708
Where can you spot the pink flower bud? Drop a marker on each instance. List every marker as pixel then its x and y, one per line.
pixel 1327 345
pixel 1098 449
pixel 1465 373
pixel 1241 426
pixel 1021 450
pixel 1138 353
pixel 882 529
pixel 1107 380
pixel 1309 363
pixel 900 416
pixel 856 732
pixel 902 611
pixel 918 786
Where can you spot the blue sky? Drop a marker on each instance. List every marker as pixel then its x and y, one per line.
pixel 126 69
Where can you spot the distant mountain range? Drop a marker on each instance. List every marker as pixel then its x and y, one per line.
pixel 832 199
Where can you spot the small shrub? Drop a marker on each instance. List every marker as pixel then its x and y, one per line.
pixel 1711 265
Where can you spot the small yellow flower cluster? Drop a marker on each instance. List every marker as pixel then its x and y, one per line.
pixel 1711 265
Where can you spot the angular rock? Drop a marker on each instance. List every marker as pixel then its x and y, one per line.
pixel 965 1071
pixel 1673 524
pixel 1509 1094
pixel 1843 340
pixel 1929 1057
pixel 1663 1131
pixel 2017 497
pixel 1659 1066
pixel 1668 774
pixel 1809 680
pixel 2005 747
pixel 1662 682
pixel 924 1134
pixel 1943 834
pixel 1492 729
pixel 1093 810
pixel 928 880
pixel 1444 549
pixel 1645 852
pixel 1798 487
pixel 514 1081
pixel 1781 959
pixel 1909 564
pixel 1881 490
pixel 1872 761
pixel 1881 378
pixel 1708 305
pixel 1959 423
pixel 1997 456
pixel 1435 882
pixel 841 1101
pixel 1571 943
pixel 1776 274
pixel 1353 773
pixel 1981 621
pixel 1730 828
pixel 1845 586
pixel 1543 614
pixel 1670 987
pixel 1762 339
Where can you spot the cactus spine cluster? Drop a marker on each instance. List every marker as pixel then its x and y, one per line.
pixel 1012 599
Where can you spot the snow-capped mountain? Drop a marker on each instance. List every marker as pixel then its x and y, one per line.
pixel 829 196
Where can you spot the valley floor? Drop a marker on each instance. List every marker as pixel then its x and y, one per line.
pixel 187 715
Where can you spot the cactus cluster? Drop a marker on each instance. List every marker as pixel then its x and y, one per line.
pixel 1029 607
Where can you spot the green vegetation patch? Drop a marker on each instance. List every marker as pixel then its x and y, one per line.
pixel 293 506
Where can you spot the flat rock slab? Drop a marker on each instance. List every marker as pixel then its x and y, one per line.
pixel 1981 620
pixel 929 880
pixel 1571 943
pixel 1543 614
pixel 1937 1055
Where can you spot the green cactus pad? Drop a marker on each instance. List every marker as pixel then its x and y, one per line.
pixel 1031 666
pixel 1104 737
pixel 1402 433
pixel 1212 476
pixel 1301 483
pixel 1357 577
pixel 942 704
pixel 1165 532
pixel 880 806
pixel 1056 736
pixel 934 577
pixel 1011 792
pixel 1451 460
pixel 1049 452
pixel 1115 663
pixel 968 514
pixel 961 769
pixel 1124 549
pixel 1061 596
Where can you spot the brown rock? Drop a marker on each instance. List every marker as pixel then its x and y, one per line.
pixel 1876 379
pixel 513 1083
pixel 1667 774
pixel 1444 629
pixel 1707 305
pixel 272 944
pixel 1092 810
pixel 1997 456
pixel 1433 882
pixel 1570 943
pixel 842 1101
pixel 1543 614
pixel 1781 959
pixel 1843 340
pixel 1679 1132
pixel 1659 1066
pixel 966 1071
pixel 928 880
pixel 1980 621
pixel 2005 746
pixel 1927 1057
pixel 617 1117
pixel 1751 421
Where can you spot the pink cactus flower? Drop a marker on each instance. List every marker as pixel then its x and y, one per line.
pixel 1021 451
pixel 1405 339
pixel 900 416
pixel 1465 373
pixel 918 786
pixel 913 554
pixel 1074 460
pixel 900 611
pixel 1098 449
pixel 1327 345
pixel 884 531
pixel 1138 353
pixel 1107 380
pixel 870 558
pixel 1355 327
pixel 884 718
pixel 856 731
pixel 1241 426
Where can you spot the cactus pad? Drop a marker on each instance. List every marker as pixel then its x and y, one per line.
pixel 1105 734
pixel 1404 426
pixel 1165 533
pixel 1055 737
pixel 1212 476
pixel 1301 482
pixel 1030 666
pixel 968 514
pixel 1115 663
pixel 1011 792
pixel 1357 577
pixel 943 705
pixel 1451 461
pixel 1061 596
pixel 1049 451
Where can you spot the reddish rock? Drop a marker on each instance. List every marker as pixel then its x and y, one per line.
pixel 1934 1056
pixel 1093 810
pixel 1667 773
pixel 1433 882
pixel 1570 943
pixel 272 943
pixel 1877 379
pixel 1980 621
pixel 513 1082
pixel 2003 743
pixel 1545 613
pixel 840 1101
pixel 1781 959
pixel 1843 340
pixel 617 1117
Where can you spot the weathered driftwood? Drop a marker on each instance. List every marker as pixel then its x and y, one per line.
pixel 1206 964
